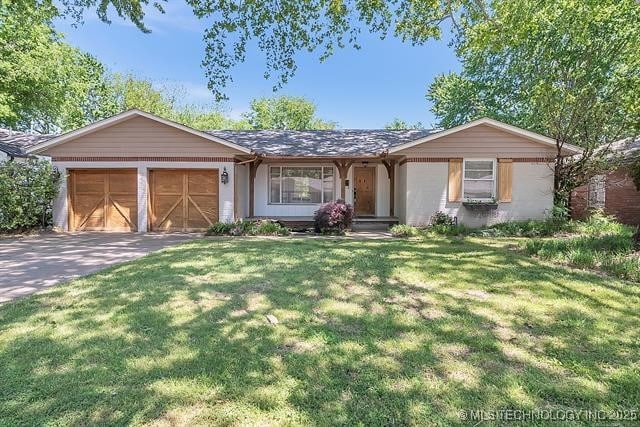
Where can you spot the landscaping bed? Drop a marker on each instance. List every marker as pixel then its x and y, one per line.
pixel 599 243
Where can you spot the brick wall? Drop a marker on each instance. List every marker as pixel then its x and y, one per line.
pixel 622 199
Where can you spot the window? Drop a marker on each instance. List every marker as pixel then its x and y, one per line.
pixel 479 180
pixel 300 184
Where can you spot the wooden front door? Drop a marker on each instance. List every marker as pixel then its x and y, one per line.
pixel 364 191
pixel 103 200
pixel 183 200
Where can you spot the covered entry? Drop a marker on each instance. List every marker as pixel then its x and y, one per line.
pixel 103 200
pixel 183 199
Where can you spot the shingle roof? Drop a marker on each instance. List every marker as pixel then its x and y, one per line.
pixel 14 143
pixel 627 147
pixel 329 143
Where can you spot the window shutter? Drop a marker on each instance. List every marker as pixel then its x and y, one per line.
pixel 505 179
pixel 455 180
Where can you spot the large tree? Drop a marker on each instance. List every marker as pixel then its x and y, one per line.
pixel 286 113
pixel 45 84
pixel 283 28
pixel 399 124
pixel 569 69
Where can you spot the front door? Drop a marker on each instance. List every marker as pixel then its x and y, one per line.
pixel 364 192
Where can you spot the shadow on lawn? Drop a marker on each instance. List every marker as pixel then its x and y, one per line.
pixel 377 332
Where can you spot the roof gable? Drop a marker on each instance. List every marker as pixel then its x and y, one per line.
pixel 495 124
pixel 121 118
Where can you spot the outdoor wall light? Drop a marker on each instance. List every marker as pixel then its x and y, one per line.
pixel 224 178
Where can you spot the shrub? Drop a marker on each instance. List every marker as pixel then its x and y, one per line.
pixel 450 230
pixel 248 228
pixel 612 253
pixel 441 218
pixel 403 230
pixel 270 228
pixel 27 191
pixel 530 228
pixel 332 217
pixel 600 224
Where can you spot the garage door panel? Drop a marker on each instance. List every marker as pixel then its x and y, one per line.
pixel 168 182
pixel 168 212
pixel 89 183
pixel 203 211
pixel 193 207
pixel 123 183
pixel 92 219
pixel 205 183
pixel 95 207
pixel 122 212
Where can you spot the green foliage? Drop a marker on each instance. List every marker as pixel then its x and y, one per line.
pixel 282 29
pixel 373 333
pixel 403 230
pixel 285 113
pixel 248 228
pixel 600 224
pixel 399 124
pixel 564 68
pixel 27 191
pixel 45 84
pixel 442 218
pixel 611 253
pixel 449 230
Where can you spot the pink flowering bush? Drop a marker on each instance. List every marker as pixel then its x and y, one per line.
pixel 333 217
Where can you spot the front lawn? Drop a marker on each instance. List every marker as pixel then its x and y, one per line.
pixel 376 332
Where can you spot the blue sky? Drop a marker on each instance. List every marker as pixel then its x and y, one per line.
pixel 364 88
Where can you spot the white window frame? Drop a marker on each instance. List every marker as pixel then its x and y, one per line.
pixel 493 187
pixel 322 168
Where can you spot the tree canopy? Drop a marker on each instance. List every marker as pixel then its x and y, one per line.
pixel 399 124
pixel 569 69
pixel 283 28
pixel 285 113
pixel 45 84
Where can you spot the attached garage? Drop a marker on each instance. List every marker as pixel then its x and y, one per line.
pixel 139 172
pixel 103 200
pixel 183 199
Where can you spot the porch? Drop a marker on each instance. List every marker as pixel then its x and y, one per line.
pixel 292 189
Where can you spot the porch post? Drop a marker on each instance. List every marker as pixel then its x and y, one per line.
pixel 143 198
pixel 253 169
pixel 391 166
pixel 343 171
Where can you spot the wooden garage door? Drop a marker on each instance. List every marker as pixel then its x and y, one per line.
pixel 103 200
pixel 183 200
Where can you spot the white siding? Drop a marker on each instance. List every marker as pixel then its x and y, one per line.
pixel 401 193
pixel 263 208
pixel 242 191
pixel 427 193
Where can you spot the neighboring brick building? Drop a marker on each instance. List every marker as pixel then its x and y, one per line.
pixel 614 192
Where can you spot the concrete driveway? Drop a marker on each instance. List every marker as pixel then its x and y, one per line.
pixel 29 264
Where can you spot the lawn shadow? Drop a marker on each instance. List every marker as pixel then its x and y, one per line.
pixel 371 332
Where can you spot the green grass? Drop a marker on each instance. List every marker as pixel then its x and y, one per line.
pixel 612 254
pixel 373 332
